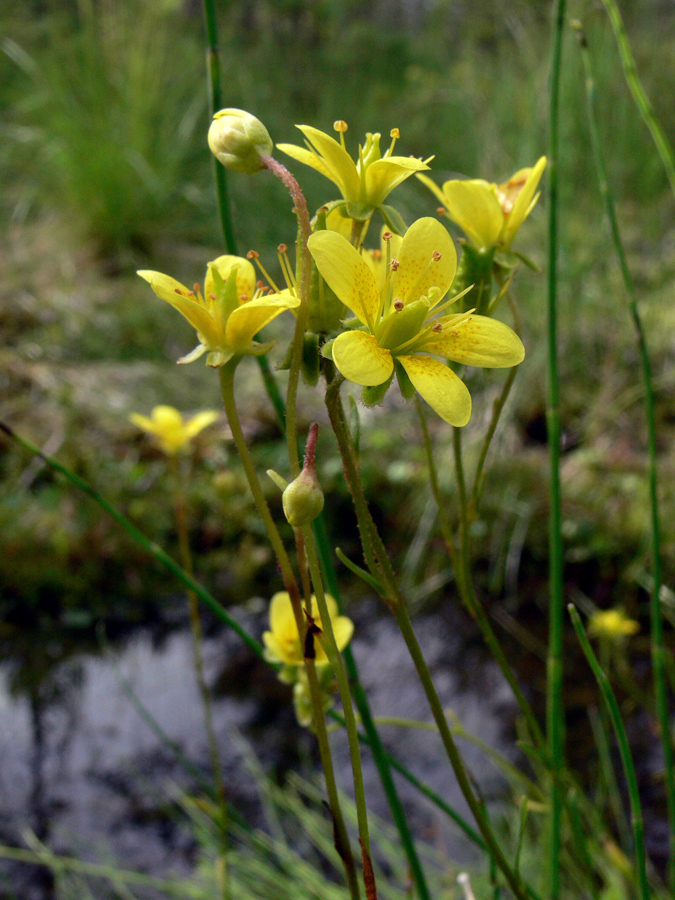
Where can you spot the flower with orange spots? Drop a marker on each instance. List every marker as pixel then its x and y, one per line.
pixel 229 313
pixel 490 214
pixel 401 329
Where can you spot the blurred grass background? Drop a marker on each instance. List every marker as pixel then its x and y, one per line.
pixel 104 168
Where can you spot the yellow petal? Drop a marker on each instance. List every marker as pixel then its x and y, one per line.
pixel 143 422
pixel 433 187
pixel 360 359
pixel 343 629
pixel 445 393
pixel 347 274
pixel 474 206
pixel 282 620
pixel 174 293
pixel 309 158
pixel 383 175
pixel 246 276
pixel 418 271
pixel 477 341
pixel 340 166
pixel 199 422
pixel 523 203
pixel 244 323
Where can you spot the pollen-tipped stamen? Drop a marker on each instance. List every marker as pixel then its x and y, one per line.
pixel 286 268
pixel 394 134
pixel 255 256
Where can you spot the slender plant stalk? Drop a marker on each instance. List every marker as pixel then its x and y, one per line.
pixel 461 565
pixel 335 659
pixel 624 749
pixel 656 620
pixel 555 712
pixel 383 761
pixel 397 604
pixel 196 632
pixel 640 97
pixel 227 373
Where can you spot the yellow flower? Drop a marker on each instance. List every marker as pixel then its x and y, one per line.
pixel 173 432
pixel 282 641
pixel 402 322
pixel 613 624
pixel 230 312
pixel 364 184
pixel 490 214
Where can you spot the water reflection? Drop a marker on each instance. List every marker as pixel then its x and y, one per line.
pixel 81 768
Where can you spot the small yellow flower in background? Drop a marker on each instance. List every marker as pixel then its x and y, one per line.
pixel 364 184
pixel 613 624
pixel 490 214
pixel 401 321
pixel 282 642
pixel 230 312
pixel 173 433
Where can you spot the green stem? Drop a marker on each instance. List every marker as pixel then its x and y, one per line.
pixel 302 312
pixel 335 659
pixel 624 750
pixel 656 621
pixel 215 102
pixel 469 597
pixel 398 607
pixel 180 493
pixel 383 762
pixel 641 99
pixel 514 880
pixel 555 721
pixel 227 373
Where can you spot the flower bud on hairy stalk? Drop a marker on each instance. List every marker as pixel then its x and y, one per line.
pixel 303 498
pixel 239 141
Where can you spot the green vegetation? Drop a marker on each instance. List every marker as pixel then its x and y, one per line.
pixel 104 169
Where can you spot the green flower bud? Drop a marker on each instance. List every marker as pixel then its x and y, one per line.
pixel 303 498
pixel 239 140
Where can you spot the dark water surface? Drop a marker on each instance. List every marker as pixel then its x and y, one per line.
pixel 81 768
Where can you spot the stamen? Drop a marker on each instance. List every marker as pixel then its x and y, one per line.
pixel 341 126
pixel 386 236
pixel 212 297
pixel 243 297
pixel 394 265
pixel 289 277
pixel 178 291
pixel 441 210
pixel 436 255
pixel 394 134
pixel 282 248
pixel 260 284
pixel 398 304
pixel 197 287
pixel 255 256
pixel 437 327
pixel 377 255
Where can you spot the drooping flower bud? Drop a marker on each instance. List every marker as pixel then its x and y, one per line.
pixel 303 498
pixel 239 140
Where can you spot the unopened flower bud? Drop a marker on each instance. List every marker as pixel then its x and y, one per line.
pixel 239 140
pixel 303 498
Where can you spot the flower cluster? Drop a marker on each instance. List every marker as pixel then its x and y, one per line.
pixel 403 323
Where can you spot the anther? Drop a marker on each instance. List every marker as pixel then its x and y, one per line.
pixel 394 265
pixel 437 327
pixel 212 297
pixel 282 248
pixel 177 291
pixel 197 287
pixel 395 133
pixel 398 304
pixel 386 236
pixel 252 254
pixel 436 255
pixel 377 254
pixel 260 284
pixel 243 297
pixel 441 210
pixel 340 126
